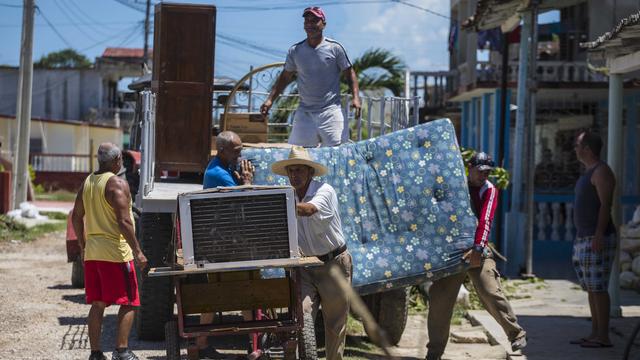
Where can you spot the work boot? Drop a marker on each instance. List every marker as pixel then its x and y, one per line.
pixel 519 343
pixel 431 356
pixel 126 354
pixel 97 355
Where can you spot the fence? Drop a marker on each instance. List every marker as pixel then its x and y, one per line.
pixel 61 162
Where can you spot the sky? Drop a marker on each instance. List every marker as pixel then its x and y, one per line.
pixel 249 32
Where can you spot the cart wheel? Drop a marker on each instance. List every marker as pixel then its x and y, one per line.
pixel 172 340
pixel 77 273
pixel 307 339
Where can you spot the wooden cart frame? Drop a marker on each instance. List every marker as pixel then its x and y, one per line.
pixel 216 291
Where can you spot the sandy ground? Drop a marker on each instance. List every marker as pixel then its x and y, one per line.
pixel 43 317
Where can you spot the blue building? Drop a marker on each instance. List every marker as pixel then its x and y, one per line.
pixel 572 94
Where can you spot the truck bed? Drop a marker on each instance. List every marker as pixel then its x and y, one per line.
pixel 163 197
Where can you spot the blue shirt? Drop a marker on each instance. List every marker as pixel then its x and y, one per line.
pixel 217 175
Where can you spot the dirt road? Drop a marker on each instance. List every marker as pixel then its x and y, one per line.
pixel 43 317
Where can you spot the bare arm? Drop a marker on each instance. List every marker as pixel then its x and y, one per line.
pixel 604 182
pixel 77 220
pixel 305 209
pixel 285 78
pixel 352 80
pixel 118 196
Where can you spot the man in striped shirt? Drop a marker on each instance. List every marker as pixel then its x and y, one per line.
pixel 482 270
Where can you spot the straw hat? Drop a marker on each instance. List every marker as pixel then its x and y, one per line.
pixel 298 156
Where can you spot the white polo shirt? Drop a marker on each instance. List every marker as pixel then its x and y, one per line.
pixel 321 232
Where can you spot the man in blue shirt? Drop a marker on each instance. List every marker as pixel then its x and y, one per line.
pixel 222 170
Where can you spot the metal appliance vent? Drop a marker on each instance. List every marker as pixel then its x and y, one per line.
pixel 245 226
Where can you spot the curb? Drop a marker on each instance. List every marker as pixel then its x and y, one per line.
pixel 494 332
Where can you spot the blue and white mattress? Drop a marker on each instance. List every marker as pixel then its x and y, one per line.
pixel 404 202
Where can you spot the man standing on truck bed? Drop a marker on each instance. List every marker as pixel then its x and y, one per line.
pixel 319 234
pixel 102 213
pixel 482 271
pixel 317 62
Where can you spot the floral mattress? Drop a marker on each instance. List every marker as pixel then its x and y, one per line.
pixel 404 202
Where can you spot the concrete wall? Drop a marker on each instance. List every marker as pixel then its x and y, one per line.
pixel 67 94
pixel 60 137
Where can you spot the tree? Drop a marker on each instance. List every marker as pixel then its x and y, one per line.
pixel 379 69
pixel 63 59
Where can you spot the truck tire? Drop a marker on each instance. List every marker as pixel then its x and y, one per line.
pixel 156 294
pixel 390 310
pixel 77 273
pixel 172 340
pixel 393 308
pixel 307 339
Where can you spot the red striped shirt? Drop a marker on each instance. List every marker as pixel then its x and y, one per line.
pixel 484 200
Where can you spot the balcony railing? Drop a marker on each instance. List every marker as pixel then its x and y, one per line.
pixel 61 162
pixel 548 71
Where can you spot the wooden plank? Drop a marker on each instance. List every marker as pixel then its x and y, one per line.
pixel 288 263
pixel 625 64
pixel 236 295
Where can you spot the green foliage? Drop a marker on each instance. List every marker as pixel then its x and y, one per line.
pixel 499 175
pixel 417 302
pixel 32 173
pixel 379 69
pixel 13 230
pixel 58 195
pixel 54 215
pixel 63 59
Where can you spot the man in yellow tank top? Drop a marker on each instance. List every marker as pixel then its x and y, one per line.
pixel 103 222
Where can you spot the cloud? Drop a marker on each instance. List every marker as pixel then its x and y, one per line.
pixel 418 37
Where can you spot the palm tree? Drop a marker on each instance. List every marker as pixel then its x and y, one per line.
pixel 379 69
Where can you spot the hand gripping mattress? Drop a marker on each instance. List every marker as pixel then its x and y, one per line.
pixel 404 202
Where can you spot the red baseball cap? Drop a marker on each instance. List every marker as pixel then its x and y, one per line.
pixel 316 11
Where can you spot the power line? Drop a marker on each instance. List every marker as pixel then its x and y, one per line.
pixel 421 8
pixel 268 50
pixel 53 27
pixel 64 12
pixel 76 10
pixel 133 5
pixel 11 5
pixel 296 6
pixel 72 24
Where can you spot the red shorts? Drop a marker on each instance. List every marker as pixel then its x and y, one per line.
pixel 111 283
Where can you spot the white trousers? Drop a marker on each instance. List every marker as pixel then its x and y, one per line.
pixel 317 128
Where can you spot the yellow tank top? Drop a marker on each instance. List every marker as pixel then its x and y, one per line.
pixel 104 240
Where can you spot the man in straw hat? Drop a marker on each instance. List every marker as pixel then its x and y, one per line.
pixel 319 234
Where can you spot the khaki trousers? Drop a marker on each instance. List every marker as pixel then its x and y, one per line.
pixel 318 287
pixel 442 298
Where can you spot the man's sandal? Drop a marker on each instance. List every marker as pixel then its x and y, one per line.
pixel 595 344
pixel 579 341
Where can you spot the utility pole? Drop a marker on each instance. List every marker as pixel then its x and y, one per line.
pixel 23 111
pixel 532 87
pixel 145 56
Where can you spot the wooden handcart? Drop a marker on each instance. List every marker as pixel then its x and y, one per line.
pixel 231 290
